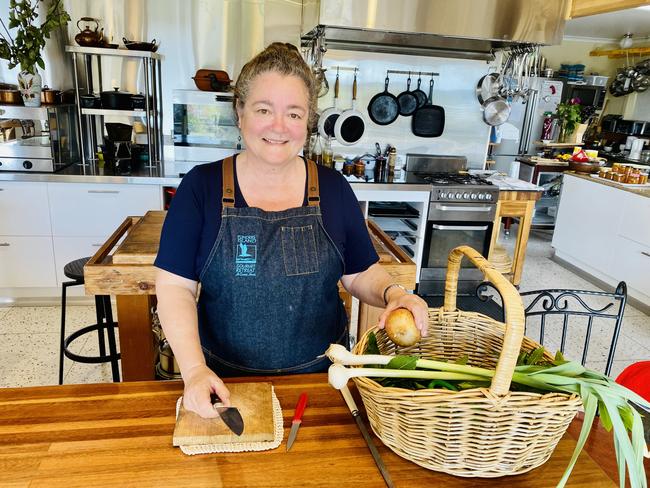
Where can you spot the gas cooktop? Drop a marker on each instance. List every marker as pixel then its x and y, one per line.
pixel 452 179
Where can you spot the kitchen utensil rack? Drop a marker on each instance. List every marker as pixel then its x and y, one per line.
pixel 90 118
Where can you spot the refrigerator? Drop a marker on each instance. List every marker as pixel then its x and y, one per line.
pixel 516 136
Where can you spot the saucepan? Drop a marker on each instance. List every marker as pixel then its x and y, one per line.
pixel 49 96
pixel 140 45
pixel 10 96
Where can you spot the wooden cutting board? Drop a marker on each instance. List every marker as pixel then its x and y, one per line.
pixel 255 404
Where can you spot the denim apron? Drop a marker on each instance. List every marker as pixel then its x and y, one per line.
pixel 269 301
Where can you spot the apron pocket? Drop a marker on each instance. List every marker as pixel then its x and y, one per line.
pixel 299 250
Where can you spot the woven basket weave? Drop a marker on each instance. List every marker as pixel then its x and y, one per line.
pixel 482 432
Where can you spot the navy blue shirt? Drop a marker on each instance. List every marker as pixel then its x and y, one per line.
pixel 194 218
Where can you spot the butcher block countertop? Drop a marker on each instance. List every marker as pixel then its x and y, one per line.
pixel 120 434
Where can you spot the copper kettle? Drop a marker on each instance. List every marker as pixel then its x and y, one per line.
pixel 88 37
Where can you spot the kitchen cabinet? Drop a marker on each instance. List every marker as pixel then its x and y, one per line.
pixel 96 209
pixel 23 206
pixel 602 231
pixel 26 262
pixel 90 119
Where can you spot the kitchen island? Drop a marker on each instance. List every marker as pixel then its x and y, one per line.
pixel 121 435
pixel 602 232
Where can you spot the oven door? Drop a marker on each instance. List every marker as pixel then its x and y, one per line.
pixel 440 238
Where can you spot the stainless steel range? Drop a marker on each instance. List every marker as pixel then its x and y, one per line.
pixel 461 212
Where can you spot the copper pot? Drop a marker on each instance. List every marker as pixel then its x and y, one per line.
pixel 49 96
pixel 10 97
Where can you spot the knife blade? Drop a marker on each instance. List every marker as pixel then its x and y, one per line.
pixel 230 415
pixel 297 419
pixel 347 396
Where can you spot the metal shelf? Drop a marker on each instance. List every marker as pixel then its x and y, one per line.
pixel 108 111
pixel 104 51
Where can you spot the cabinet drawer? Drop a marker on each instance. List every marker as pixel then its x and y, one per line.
pixel 98 209
pixel 68 249
pixel 633 263
pixel 24 209
pixel 634 221
pixel 26 262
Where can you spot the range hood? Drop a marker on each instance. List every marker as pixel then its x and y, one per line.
pixel 451 28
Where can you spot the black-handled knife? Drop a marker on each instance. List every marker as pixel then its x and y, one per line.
pixel 230 415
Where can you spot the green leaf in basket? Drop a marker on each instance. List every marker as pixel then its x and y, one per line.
pixel 372 347
pixel 462 359
pixel 468 385
pixel 625 411
pixel 522 358
pixel 569 369
pixel 433 384
pixel 403 362
pixel 559 358
pixel 536 356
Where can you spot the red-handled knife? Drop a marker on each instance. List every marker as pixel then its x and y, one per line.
pixel 297 419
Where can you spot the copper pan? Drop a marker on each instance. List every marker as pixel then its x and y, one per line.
pixel 10 97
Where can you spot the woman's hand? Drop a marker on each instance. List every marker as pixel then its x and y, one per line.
pixel 200 381
pixel 414 304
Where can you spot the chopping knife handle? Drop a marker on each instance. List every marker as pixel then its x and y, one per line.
pixel 300 407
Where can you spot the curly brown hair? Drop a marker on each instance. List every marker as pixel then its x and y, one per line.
pixel 283 58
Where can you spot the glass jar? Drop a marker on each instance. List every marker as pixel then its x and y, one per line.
pixel 328 155
pixel 316 150
pixel 359 169
pixel 643 177
pixel 348 168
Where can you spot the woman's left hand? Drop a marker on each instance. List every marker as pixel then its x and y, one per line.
pixel 414 304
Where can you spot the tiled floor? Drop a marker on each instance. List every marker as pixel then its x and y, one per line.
pixel 29 336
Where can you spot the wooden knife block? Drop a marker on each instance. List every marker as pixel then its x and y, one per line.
pixel 255 404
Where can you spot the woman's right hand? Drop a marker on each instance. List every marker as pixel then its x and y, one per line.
pixel 200 382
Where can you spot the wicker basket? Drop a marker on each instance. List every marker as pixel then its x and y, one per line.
pixel 482 432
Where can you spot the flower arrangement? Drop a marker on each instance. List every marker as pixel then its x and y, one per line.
pixel 24 49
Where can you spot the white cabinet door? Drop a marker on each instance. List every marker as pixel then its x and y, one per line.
pixel 24 209
pixel 635 215
pixel 26 262
pixel 80 209
pixel 633 265
pixel 586 210
pixel 67 249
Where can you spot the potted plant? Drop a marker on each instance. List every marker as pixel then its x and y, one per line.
pixel 24 48
pixel 570 116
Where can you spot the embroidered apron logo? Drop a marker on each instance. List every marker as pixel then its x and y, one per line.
pixel 246 255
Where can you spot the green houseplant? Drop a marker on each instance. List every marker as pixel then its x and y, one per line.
pixel 24 48
pixel 569 115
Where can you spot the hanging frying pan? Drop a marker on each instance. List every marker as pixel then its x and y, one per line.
pixel 383 108
pixel 329 115
pixel 487 87
pixel 419 93
pixel 428 120
pixel 407 101
pixel 350 126
pixel 496 111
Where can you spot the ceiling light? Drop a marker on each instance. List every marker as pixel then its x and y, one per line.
pixel 626 41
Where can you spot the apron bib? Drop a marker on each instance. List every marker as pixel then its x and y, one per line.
pixel 269 301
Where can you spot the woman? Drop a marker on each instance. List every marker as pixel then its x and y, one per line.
pixel 268 236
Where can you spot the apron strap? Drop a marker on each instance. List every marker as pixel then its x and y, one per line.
pixel 313 194
pixel 228 190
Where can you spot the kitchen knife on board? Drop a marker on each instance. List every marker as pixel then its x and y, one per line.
pixel 230 415
pixel 347 396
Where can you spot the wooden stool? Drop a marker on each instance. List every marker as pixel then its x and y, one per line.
pixel 75 271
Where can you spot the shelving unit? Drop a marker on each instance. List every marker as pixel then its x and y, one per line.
pixel 153 112
pixel 621 53
pixel 558 144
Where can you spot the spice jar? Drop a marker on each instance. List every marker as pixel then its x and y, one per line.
pixel 619 177
pixel 632 178
pixel 359 169
pixel 602 172
pixel 643 178
pixel 348 168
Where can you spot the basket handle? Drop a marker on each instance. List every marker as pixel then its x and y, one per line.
pixel 514 312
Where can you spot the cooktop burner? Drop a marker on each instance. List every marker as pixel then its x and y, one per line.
pixel 455 179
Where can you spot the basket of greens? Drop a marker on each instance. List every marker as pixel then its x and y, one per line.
pixel 475 398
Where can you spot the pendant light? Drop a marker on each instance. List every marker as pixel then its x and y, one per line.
pixel 626 41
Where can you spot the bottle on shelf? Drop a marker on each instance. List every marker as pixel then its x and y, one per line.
pixel 392 159
pixel 328 155
pixel 316 150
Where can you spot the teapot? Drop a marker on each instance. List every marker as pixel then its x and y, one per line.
pixel 88 37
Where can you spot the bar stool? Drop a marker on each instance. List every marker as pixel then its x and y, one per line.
pixel 75 271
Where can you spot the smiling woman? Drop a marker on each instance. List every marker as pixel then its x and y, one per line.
pixel 268 235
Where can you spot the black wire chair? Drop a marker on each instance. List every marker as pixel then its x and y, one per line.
pixel 543 308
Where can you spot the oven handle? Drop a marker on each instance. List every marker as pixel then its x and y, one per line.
pixel 459 227
pixel 487 208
